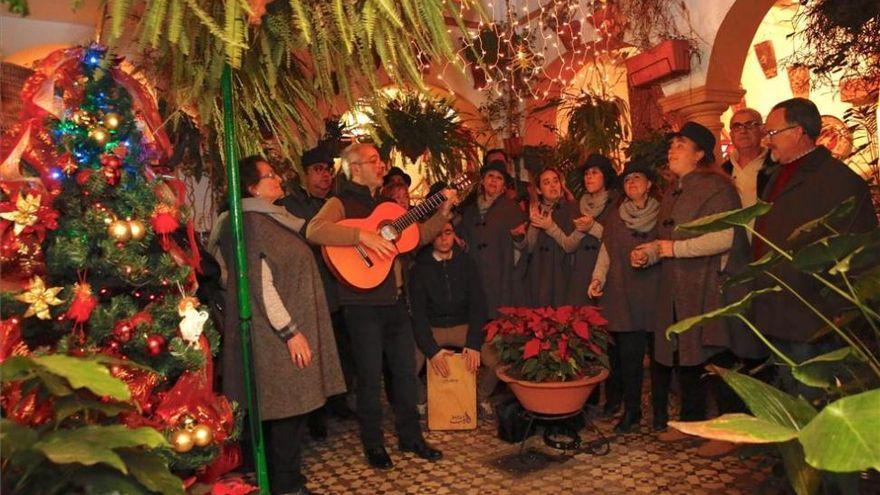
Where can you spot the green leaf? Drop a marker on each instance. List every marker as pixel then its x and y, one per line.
pixel 832 250
pixel 98 481
pixel 16 437
pixel 839 212
pixel 804 479
pixel 68 406
pixel 727 219
pixel 54 384
pixel 152 471
pixel 16 368
pixel 731 310
pixel 85 373
pixel 94 444
pixel 834 369
pixel 767 402
pixel 739 428
pixel 845 436
pixel 754 269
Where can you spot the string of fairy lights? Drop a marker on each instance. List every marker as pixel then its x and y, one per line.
pixel 515 51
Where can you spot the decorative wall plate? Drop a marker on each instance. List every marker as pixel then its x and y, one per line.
pixel 836 137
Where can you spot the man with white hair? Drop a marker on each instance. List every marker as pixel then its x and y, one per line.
pixel 749 163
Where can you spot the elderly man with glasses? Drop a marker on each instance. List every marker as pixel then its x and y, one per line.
pixel 808 183
pixel 749 163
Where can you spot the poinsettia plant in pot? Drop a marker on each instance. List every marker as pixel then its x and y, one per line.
pixel 553 357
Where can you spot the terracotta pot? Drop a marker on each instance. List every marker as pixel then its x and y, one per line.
pixel 552 397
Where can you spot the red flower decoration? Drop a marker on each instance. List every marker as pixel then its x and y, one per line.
pixel 532 348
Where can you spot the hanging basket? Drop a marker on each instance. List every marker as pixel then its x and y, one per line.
pixel 552 397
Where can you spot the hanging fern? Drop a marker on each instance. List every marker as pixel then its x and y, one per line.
pixel 415 124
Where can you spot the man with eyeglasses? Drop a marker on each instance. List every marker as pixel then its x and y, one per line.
pixel 808 184
pixel 749 163
pixel 305 201
pixel 378 321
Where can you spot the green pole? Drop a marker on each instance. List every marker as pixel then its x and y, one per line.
pixel 244 297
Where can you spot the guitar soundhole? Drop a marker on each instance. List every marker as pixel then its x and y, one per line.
pixel 388 232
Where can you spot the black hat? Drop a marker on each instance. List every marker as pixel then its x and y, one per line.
pixel 641 167
pixel 496 165
pixel 700 135
pixel 397 171
pixel 603 163
pixel 315 156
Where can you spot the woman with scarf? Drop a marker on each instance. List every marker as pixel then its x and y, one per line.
pixel 595 207
pixel 492 227
pixel 625 290
pixel 693 269
pixel 549 241
pixel 294 351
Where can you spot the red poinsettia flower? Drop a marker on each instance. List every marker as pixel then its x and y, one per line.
pixel 531 349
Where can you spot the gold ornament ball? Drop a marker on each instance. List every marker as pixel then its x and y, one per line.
pixel 111 120
pixel 182 441
pixel 137 228
pixel 98 135
pixel 119 231
pixel 202 435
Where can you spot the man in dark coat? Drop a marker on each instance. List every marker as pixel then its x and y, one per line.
pixel 304 202
pixel 808 184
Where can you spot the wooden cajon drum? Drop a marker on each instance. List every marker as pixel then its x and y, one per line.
pixel 452 401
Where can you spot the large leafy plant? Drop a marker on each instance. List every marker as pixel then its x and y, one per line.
pixel 841 432
pixel 415 124
pixel 550 344
pixel 62 436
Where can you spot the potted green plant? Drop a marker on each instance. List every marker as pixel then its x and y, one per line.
pixel 837 433
pixel 553 357
pixel 415 124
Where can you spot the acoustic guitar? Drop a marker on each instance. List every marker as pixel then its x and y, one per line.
pixel 363 268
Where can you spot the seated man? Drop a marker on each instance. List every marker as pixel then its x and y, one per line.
pixel 449 309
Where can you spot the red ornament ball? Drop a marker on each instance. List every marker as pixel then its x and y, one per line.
pixel 111 161
pixel 122 331
pixel 155 345
pixel 83 176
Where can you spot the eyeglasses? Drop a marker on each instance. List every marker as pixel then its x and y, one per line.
pixel 372 160
pixel 320 169
pixel 774 132
pixel 745 126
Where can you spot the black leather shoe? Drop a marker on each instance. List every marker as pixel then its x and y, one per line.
pixel 378 458
pixel 423 450
pixel 610 409
pixel 659 423
pixel 628 422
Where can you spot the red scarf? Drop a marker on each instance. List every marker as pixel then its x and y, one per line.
pixel 785 174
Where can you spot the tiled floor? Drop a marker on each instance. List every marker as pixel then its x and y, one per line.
pixel 474 463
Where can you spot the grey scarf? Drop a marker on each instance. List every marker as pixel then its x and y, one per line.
pixel 278 213
pixel 640 219
pixel 594 204
pixel 483 204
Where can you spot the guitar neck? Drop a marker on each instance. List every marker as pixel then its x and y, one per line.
pixel 418 212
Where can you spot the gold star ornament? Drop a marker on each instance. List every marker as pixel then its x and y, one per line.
pixel 39 298
pixel 25 213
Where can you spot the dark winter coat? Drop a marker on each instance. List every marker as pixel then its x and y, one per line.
pixel 445 294
pixel 583 260
pixel 691 286
pixel 820 183
pixel 283 390
pixel 491 245
pixel 549 266
pixel 628 292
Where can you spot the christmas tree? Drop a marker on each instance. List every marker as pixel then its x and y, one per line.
pixel 106 353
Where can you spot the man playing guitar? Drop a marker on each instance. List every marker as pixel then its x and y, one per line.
pixel 378 319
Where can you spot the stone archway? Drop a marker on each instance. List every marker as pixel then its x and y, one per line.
pixel 721 88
